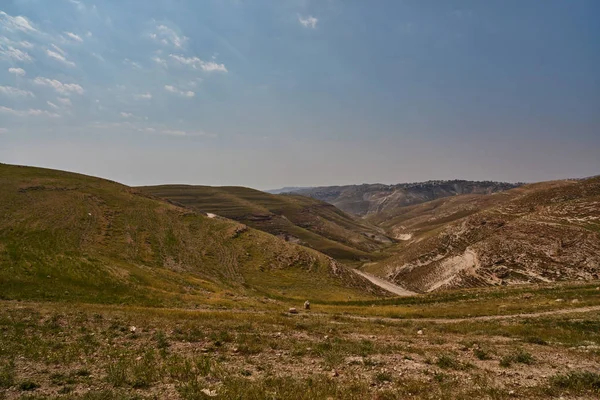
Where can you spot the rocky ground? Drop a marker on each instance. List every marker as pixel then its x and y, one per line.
pixel 52 350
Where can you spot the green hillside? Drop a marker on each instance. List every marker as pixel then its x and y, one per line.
pixel 300 219
pixel 72 237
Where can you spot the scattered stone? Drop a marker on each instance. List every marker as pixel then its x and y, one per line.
pixel 307 305
pixel 209 393
pixel 293 310
pixel 575 301
pixel 132 329
pixel 420 332
pixel 511 392
pixel 334 373
pixel 559 300
pixel 326 337
pixel 235 349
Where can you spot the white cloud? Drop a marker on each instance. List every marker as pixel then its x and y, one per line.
pixel 16 71
pixel 126 115
pixel 168 37
pixel 13 53
pixel 51 104
pixel 132 64
pixel 184 93
pixel 308 22
pixel 88 34
pixel 197 63
pixel 63 88
pixel 3 130
pixel 26 113
pixel 142 96
pixel 174 132
pixel 80 6
pixel 65 101
pixel 160 61
pixel 58 49
pixel 13 91
pixel 59 57
pixel 177 132
pixel 74 36
pixel 17 23
pixel 99 57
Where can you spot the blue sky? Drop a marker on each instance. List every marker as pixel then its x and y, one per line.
pixel 278 93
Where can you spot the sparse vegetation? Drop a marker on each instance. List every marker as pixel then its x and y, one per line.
pixel 155 301
pixel 577 382
pixel 518 356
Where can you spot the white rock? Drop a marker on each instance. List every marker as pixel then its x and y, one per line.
pixel 209 393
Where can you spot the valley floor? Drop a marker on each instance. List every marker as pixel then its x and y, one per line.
pixel 531 346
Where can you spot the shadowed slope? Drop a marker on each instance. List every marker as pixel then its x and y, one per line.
pixel 299 219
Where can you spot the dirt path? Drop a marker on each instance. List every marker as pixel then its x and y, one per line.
pixel 484 317
pixel 382 283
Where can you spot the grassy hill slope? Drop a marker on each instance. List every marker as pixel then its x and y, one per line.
pixel 536 233
pixel 73 237
pixel 300 219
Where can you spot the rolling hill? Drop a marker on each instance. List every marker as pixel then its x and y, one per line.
pixel 294 218
pixel 372 199
pixel 65 236
pixel 542 232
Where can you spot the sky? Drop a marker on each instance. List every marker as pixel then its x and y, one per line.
pixel 278 93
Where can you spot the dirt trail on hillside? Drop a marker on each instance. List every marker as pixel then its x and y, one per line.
pixel 382 283
pixel 484 317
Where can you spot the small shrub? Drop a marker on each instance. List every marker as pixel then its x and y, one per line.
pixel 447 362
pixel 578 382
pixel 383 377
pixel 481 354
pixel 506 361
pixel 82 372
pixel 536 340
pixel 161 341
pixel 523 357
pixel 519 356
pixel 7 375
pixel 116 373
pixel 28 385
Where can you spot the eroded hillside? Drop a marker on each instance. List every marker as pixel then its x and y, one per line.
pixel 537 233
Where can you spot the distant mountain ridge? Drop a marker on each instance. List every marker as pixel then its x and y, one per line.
pixel 376 198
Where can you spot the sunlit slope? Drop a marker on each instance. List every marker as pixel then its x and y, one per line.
pixel 74 237
pixel 536 233
pixel 300 219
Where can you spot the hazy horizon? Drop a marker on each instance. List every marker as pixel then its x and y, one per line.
pixel 268 94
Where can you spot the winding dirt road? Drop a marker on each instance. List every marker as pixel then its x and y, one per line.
pixel 382 283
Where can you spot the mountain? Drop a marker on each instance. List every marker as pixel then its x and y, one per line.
pixel 294 218
pixel 287 189
pixel 368 199
pixel 541 232
pixel 72 237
